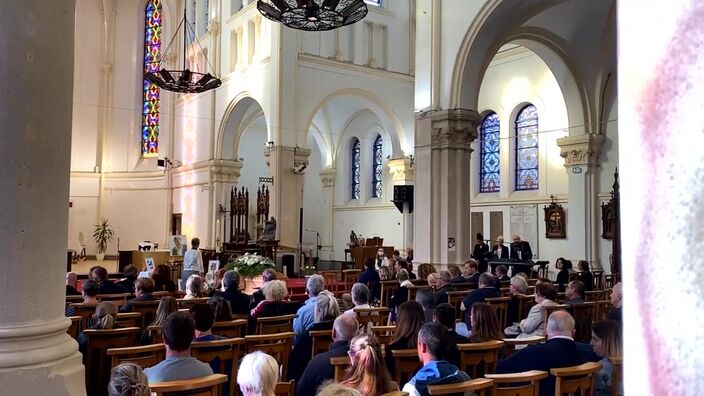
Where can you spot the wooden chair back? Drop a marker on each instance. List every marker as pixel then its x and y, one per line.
pixel 406 363
pixel 320 341
pixel 99 341
pixel 602 310
pixel 388 288
pixel 375 316
pixel 128 319
pixel 277 345
pixel 594 295
pixel 532 281
pixel 75 327
pixel 144 356
pixel 158 295
pixel 231 328
pixel 464 286
pixel 526 383
pixel 455 298
pixel 570 380
pixel 155 334
pixel 340 364
pixel 480 358
pixel 73 300
pixel 188 303
pixel 525 303
pixel 549 309
pixel 205 386
pixel 479 386
pixel 285 388
pixel 117 299
pixel 598 280
pixel 275 324
pixel 331 280
pixel 85 311
pixel 505 291
pixel 500 306
pixel 512 343
pixel 413 289
pixel 349 278
pixel 384 333
pixel 396 393
pixel 583 315
pixel 147 310
pixel 223 355
pixel 617 375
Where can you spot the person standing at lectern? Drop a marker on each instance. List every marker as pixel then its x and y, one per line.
pixel 481 249
pixel 520 250
pixel 499 250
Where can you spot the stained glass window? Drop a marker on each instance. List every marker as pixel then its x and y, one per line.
pixel 527 148
pixel 489 154
pixel 356 173
pixel 378 167
pixel 152 56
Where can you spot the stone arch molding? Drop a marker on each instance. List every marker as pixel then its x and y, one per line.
pixel 494 26
pixel 232 128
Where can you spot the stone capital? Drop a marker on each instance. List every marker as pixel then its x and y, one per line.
pixel 401 170
pixel 213 26
pixel 581 150
pixel 225 171
pixel 328 177
pixel 453 128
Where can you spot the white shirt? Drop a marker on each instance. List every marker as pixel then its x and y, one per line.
pixel 193 261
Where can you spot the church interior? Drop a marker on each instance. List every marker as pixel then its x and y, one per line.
pixel 364 154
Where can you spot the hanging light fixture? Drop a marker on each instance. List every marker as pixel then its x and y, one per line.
pixel 313 15
pixel 184 80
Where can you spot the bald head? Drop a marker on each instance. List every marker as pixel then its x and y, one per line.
pixel 617 295
pixel 560 323
pixel 344 328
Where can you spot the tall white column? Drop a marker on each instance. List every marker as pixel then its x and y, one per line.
pixel 224 174
pixel 441 208
pixel 328 177
pixel 581 154
pixel 37 357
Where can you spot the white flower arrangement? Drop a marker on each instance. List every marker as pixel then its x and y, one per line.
pixel 250 265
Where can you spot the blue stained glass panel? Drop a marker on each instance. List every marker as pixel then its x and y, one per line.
pixel 151 93
pixel 356 171
pixel 527 148
pixel 378 167
pixel 489 173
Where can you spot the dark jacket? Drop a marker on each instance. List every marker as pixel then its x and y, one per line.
pixel 479 295
pixel 437 372
pixel 588 279
pixel 615 314
pixel 503 254
pixel 257 297
pixel 452 354
pixel 555 353
pixel 71 291
pixel 127 284
pixel 275 308
pixel 512 312
pixel 239 302
pixel 167 285
pixel 563 278
pixel 526 254
pixel 441 294
pixel 371 275
pixel 128 307
pixel 302 349
pixel 403 343
pixel 110 287
pixel 498 280
pixel 320 370
pixel 399 297
pixel 480 251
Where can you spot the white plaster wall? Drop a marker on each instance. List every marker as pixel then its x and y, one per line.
pixel 192 203
pixel 383 221
pixel 136 215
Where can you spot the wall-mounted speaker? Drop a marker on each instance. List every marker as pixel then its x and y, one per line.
pixel 403 194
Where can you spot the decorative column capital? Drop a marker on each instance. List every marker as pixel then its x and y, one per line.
pixel 453 128
pixel 225 171
pixel 581 150
pixel 213 26
pixel 328 177
pixel 401 170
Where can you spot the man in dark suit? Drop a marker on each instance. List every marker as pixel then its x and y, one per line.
pixel 499 250
pixel 486 290
pixel 100 274
pixel 470 272
pixel 500 274
pixel 520 250
pixel 480 252
pixel 131 273
pixel 445 315
pixel 319 368
pixel 370 277
pixel 239 302
pixel 444 286
pixel 559 351
pixel 143 289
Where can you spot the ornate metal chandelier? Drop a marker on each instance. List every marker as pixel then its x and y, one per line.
pixel 313 15
pixel 184 80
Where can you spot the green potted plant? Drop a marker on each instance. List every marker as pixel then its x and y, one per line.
pixel 102 235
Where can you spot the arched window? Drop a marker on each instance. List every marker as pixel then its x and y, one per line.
pixel 356 173
pixel 152 57
pixel 489 180
pixel 378 167
pixel 527 148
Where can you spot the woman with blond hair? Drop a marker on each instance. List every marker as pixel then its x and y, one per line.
pixel 194 287
pixel 167 306
pixel 367 372
pixel 485 324
pixel 258 374
pixel 128 379
pixel 607 342
pixel 432 281
pixel 105 316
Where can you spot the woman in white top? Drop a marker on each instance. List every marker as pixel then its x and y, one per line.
pixel 192 263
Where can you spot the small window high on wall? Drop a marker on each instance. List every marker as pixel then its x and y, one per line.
pixel 356 171
pixel 489 174
pixel 152 56
pixel 378 167
pixel 527 148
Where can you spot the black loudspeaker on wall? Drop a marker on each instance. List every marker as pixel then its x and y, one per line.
pixel 403 194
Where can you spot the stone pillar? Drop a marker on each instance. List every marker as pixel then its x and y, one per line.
pixel 581 154
pixel 224 174
pixel 441 208
pixel 286 165
pixel 37 357
pixel 328 177
pixel 401 171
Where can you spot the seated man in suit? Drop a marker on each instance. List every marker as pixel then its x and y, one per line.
pixel 501 274
pixel 204 318
pixel 574 293
pixel 131 273
pixel 90 293
pixel 178 332
pixel 143 289
pixel 499 250
pixel 559 351
pixel 238 301
pixel 470 272
pixel 444 286
pixel 319 368
pixel 100 274
pixel 520 250
pixel 455 273
pixel 486 290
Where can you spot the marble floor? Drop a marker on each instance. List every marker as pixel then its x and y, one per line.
pixel 82 267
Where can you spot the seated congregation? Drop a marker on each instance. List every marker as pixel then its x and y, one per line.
pixel 454 331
